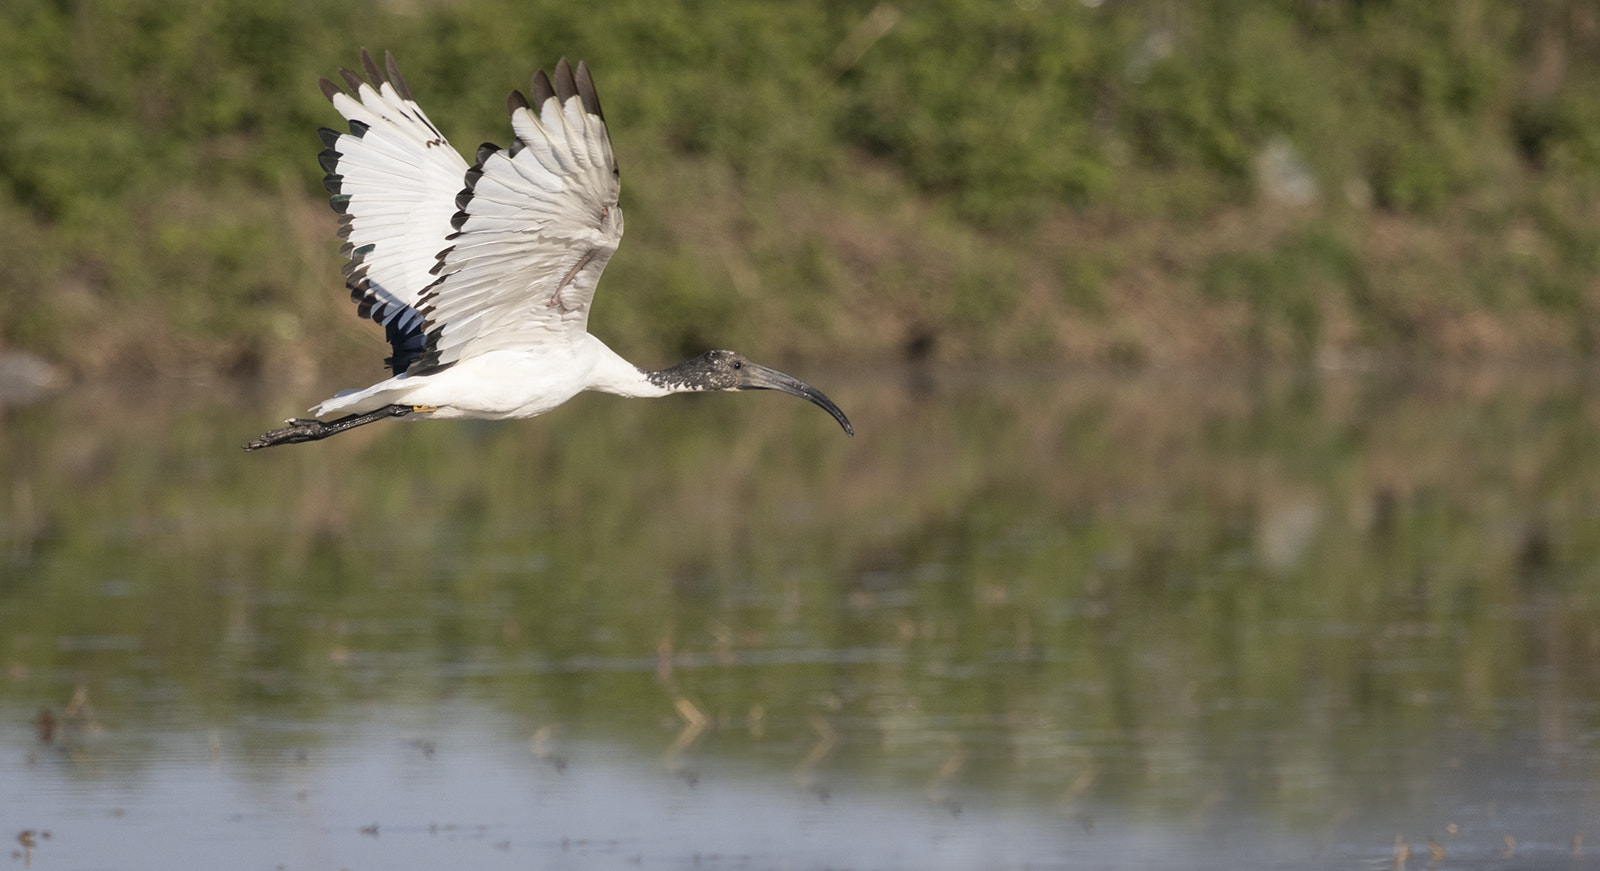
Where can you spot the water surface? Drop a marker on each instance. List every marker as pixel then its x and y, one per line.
pixel 1023 620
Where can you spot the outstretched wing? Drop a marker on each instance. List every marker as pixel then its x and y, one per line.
pixel 394 181
pixel 536 225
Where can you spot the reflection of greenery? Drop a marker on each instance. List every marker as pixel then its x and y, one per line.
pixel 972 179
pixel 1124 583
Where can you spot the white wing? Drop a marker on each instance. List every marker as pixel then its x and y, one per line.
pixel 394 181
pixel 536 226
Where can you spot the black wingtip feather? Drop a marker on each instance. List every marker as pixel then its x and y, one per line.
pixel 328 159
pixel 515 101
pixel 374 75
pixel 329 89
pixel 333 183
pixel 340 203
pixel 359 129
pixel 330 137
pixel 485 151
pixel 541 88
pixel 591 97
pixel 566 89
pixel 395 78
pixel 565 84
pixel 351 79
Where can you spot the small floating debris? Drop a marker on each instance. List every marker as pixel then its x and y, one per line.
pixel 44 725
pixel 29 839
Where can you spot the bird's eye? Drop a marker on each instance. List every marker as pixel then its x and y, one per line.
pixel 737 364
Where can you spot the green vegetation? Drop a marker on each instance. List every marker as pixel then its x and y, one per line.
pixel 1037 179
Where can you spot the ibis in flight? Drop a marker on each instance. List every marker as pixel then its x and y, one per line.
pixel 482 275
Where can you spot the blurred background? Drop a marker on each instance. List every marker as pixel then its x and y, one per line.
pixel 1225 490
pixel 1119 181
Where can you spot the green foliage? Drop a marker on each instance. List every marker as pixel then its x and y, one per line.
pixel 1001 118
pixel 156 158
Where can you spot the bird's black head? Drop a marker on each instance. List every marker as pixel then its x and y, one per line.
pixel 727 370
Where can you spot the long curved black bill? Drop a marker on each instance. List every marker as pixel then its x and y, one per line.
pixel 753 377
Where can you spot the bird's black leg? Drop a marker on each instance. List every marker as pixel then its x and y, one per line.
pixel 302 429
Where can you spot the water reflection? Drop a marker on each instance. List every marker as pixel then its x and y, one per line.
pixel 467 797
pixel 1266 620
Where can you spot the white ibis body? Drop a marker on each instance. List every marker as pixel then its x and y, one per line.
pixel 482 275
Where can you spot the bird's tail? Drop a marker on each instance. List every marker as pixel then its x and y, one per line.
pixel 365 399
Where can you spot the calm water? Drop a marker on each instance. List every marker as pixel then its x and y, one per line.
pixel 1030 620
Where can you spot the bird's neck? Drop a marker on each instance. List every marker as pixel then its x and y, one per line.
pixel 613 374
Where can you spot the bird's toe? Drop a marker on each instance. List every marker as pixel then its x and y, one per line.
pixel 299 429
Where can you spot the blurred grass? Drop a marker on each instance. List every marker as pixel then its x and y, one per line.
pixel 1127 181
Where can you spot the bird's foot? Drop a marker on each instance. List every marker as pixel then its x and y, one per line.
pixel 424 409
pixel 302 429
pixel 299 429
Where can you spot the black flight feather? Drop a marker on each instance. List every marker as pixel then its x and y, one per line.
pixel 541 88
pixel 565 88
pixel 591 97
pixel 395 78
pixel 374 75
